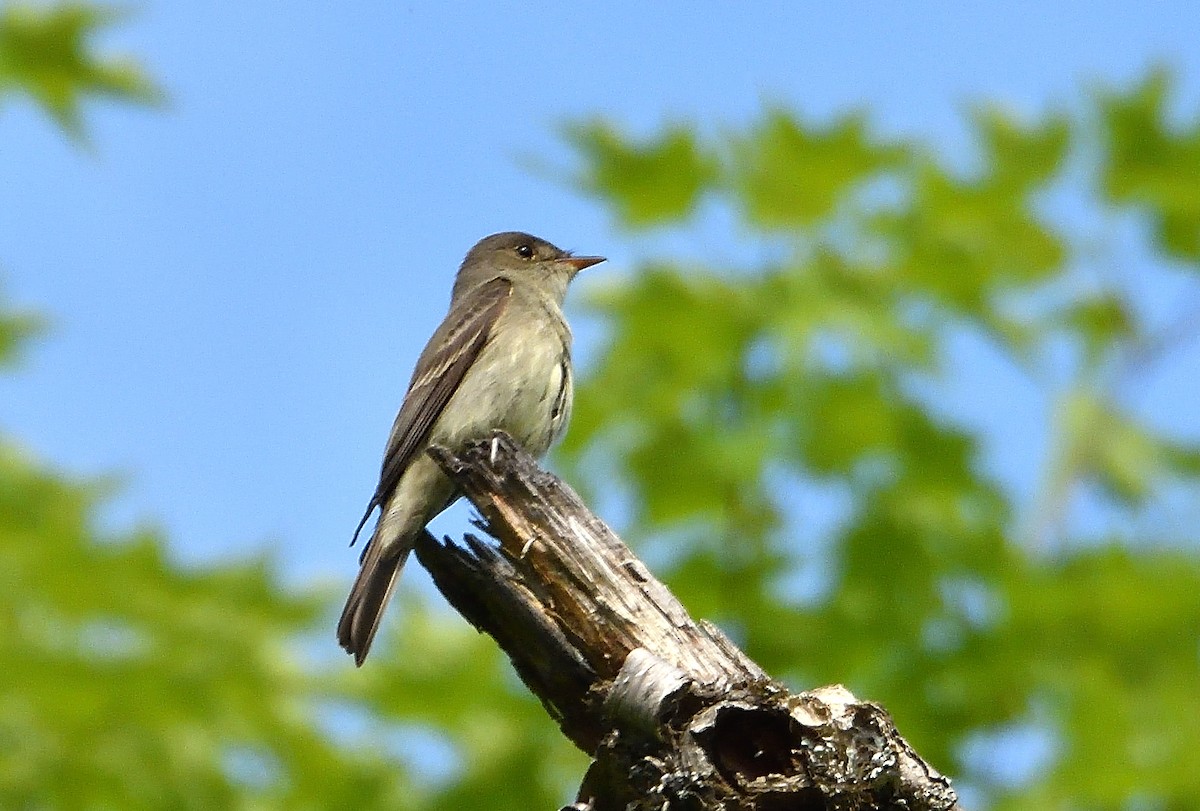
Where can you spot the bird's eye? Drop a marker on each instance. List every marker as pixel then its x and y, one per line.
pixel 525 251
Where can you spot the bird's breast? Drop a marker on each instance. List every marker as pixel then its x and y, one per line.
pixel 521 383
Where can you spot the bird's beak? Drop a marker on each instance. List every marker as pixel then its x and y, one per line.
pixel 578 263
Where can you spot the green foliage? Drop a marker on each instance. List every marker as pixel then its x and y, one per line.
pixel 46 52
pixel 128 682
pixel 442 676
pixel 667 173
pixel 789 176
pixel 729 397
pixel 1153 165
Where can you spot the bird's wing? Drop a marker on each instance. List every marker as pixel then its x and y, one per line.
pixel 440 370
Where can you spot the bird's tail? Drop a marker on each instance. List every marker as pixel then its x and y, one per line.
pixel 381 565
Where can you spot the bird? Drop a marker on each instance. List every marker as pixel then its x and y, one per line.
pixel 500 360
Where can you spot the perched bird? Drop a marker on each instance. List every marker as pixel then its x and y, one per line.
pixel 501 359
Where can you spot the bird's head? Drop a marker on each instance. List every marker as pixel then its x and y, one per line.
pixel 523 259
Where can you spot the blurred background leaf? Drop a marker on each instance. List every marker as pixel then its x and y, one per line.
pixel 1154 165
pixel 47 53
pixel 662 178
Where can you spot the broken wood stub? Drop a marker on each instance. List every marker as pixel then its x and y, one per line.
pixel 673 713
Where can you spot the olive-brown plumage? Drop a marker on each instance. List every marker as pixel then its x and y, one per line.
pixel 501 359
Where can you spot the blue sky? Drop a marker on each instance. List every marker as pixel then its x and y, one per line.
pixel 239 283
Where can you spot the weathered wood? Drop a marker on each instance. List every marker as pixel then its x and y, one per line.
pixel 673 713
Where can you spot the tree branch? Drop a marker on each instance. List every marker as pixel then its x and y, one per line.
pixel 673 713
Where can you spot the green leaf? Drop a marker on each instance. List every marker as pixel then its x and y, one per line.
pixel 1101 322
pixel 964 243
pixel 1019 156
pixel 848 419
pixel 47 53
pixel 789 175
pixel 1154 165
pixel 648 183
pixel 1101 442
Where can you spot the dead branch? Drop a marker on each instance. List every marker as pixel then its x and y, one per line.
pixel 673 713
